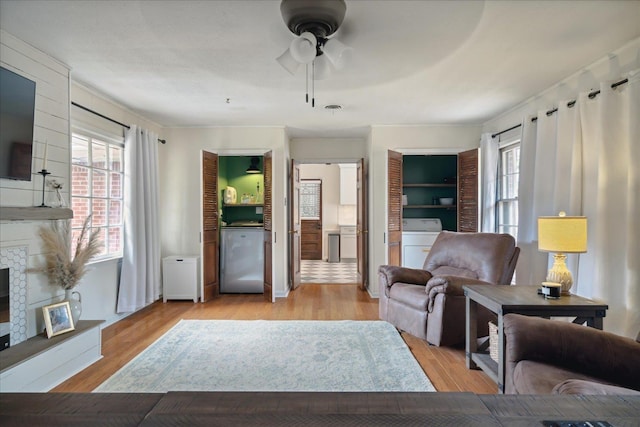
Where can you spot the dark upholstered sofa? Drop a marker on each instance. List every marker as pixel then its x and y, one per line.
pixel 547 356
pixel 429 303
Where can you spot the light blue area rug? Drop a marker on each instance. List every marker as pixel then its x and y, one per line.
pixel 266 355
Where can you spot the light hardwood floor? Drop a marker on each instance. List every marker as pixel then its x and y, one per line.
pixel 123 340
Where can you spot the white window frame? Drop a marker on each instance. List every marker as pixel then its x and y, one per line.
pixel 111 141
pixel 503 147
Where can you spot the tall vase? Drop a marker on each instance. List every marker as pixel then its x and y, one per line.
pixel 75 301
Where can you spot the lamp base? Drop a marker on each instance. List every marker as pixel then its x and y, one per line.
pixel 559 273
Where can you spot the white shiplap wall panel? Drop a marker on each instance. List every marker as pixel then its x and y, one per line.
pixel 51 126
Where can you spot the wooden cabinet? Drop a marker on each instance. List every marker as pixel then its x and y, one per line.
pixel 348 185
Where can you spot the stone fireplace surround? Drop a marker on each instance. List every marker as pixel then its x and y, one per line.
pixel 16 259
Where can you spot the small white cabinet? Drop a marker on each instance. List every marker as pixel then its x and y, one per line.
pixel 348 243
pixel 348 185
pixel 181 277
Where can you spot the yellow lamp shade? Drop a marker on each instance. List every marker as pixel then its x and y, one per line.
pixel 564 234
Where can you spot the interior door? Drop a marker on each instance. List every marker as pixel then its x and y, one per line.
pixel 310 207
pixel 394 201
pixel 468 188
pixel 295 226
pixel 267 219
pixel 362 230
pixel 210 286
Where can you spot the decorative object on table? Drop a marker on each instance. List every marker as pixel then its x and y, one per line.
pixel 562 234
pixel 58 319
pixel 551 290
pixel 58 201
pixel 61 269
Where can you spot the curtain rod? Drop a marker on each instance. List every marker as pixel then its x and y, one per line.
pixel 506 130
pixel 591 96
pixel 75 104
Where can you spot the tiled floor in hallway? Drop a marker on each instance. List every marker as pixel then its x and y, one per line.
pixel 319 271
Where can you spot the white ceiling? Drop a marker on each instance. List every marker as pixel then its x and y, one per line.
pixel 415 62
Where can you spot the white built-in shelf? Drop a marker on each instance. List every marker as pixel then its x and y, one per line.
pixel 33 213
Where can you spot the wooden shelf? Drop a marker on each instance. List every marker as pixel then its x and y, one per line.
pixel 429 206
pixel 33 213
pixel 429 185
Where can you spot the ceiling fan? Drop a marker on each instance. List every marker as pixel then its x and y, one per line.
pixel 314 22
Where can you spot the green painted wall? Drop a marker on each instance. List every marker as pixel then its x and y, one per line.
pixel 232 172
pixel 432 169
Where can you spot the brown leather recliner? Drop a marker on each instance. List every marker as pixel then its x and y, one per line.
pixel 554 357
pixel 430 303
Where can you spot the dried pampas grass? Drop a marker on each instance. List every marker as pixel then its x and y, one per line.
pixel 63 271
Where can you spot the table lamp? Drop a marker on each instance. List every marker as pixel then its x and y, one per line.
pixel 562 234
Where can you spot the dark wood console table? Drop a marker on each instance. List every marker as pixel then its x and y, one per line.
pixel 283 409
pixel 521 300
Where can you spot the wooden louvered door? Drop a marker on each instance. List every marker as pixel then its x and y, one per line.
pixel 394 200
pixel 268 228
pixel 468 211
pixel 210 284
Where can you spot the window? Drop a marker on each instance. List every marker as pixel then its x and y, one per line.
pixel 508 179
pixel 97 187
pixel 310 191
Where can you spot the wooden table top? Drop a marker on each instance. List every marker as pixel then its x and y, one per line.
pixel 525 296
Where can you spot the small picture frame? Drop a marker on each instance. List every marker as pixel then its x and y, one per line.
pixel 57 318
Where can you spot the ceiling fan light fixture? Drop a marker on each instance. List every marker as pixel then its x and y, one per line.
pixel 337 52
pixel 322 67
pixel 303 48
pixel 288 62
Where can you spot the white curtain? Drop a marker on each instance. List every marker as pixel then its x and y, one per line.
pixel 140 278
pixel 489 169
pixel 609 271
pixel 586 163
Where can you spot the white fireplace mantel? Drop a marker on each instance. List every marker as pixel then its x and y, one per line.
pixel 33 213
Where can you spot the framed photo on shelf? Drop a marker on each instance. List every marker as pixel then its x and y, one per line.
pixel 57 318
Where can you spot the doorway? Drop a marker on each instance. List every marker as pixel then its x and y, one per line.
pixel 328 212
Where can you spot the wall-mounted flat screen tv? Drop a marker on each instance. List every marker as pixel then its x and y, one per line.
pixel 17 104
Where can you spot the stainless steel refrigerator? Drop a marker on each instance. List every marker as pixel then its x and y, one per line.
pixel 242 260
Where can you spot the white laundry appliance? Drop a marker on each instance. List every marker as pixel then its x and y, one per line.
pixel 418 235
pixel 242 258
